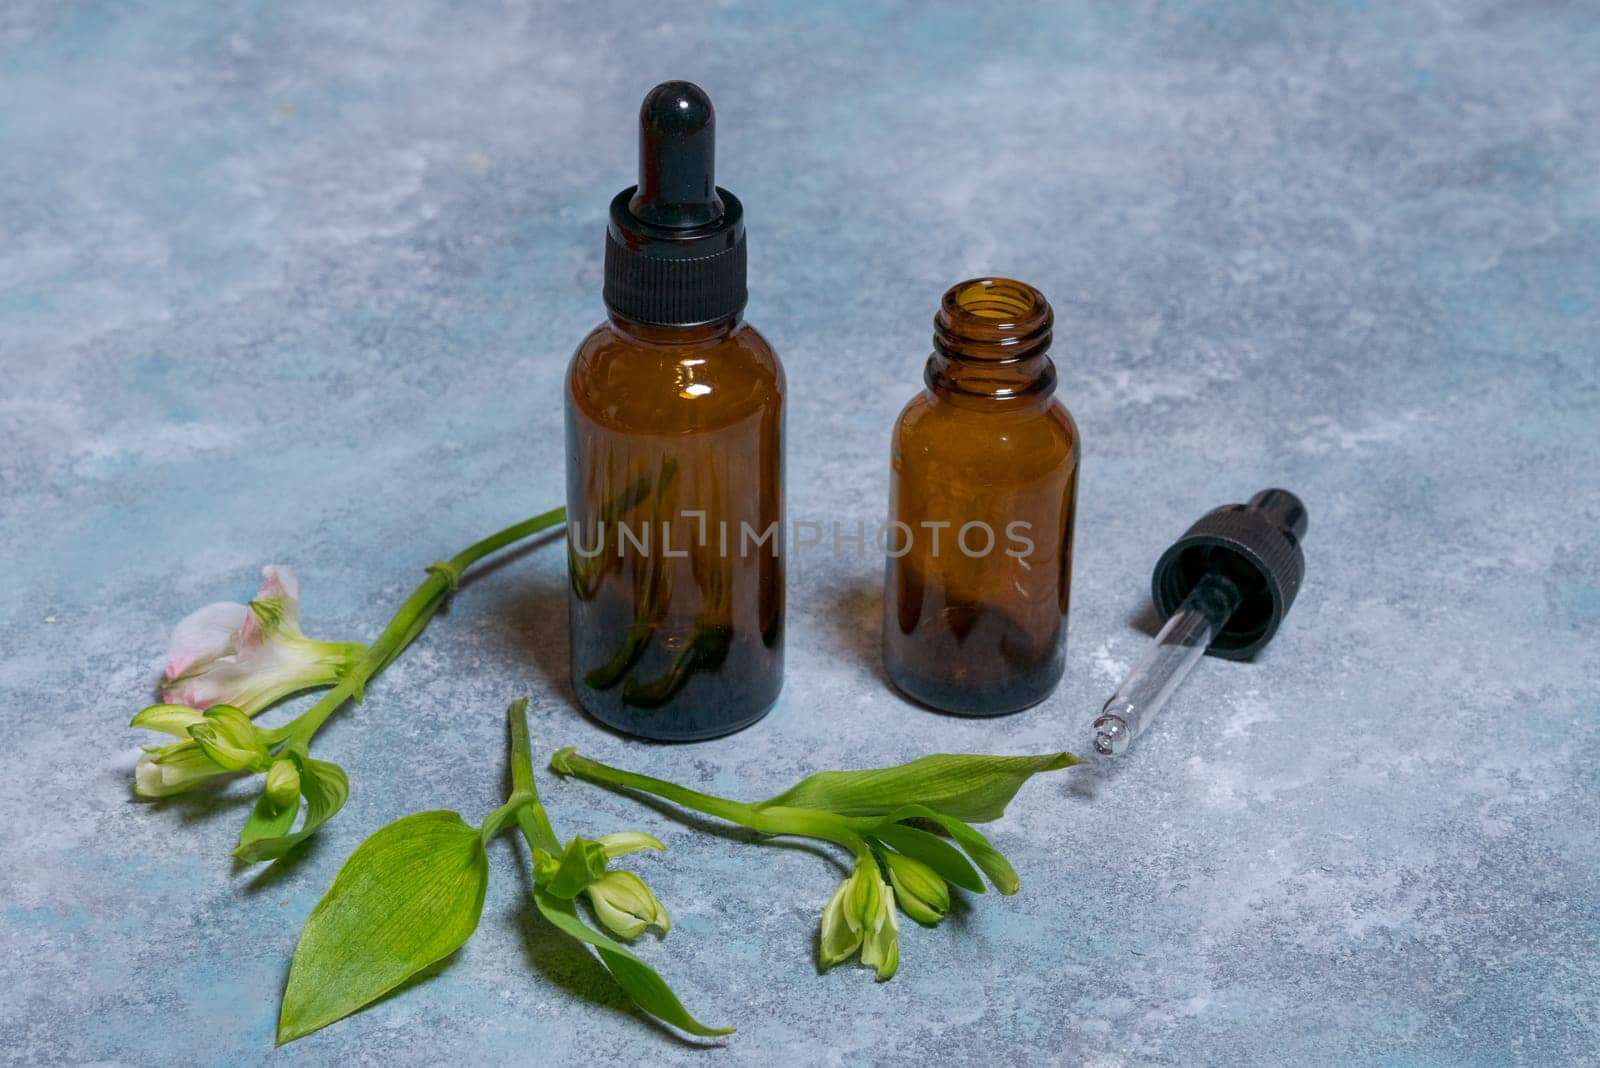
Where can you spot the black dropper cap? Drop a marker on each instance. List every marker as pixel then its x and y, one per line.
pixel 675 251
pixel 1257 545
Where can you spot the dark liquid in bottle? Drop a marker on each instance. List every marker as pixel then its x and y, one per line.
pixel 674 497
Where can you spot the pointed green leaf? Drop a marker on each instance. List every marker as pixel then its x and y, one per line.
pixel 408 897
pixel 641 982
pixel 933 851
pixel 967 786
pixel 325 788
pixel 984 855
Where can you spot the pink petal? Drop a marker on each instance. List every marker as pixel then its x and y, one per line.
pixel 204 635
pixel 187 693
pixel 250 635
pixel 279 583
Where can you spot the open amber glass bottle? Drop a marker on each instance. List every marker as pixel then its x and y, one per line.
pixel 983 492
pixel 675 457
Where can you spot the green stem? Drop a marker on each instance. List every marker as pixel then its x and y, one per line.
pixel 807 823
pixel 536 830
pixel 568 762
pixel 407 623
pixel 532 819
pixel 521 750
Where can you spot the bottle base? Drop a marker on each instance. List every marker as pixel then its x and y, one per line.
pixel 637 727
pixel 981 700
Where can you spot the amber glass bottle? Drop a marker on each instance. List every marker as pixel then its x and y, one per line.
pixel 983 488
pixel 675 457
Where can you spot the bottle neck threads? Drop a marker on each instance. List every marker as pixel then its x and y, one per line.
pixel 990 339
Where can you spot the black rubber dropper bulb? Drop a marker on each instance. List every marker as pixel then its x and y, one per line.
pixel 1223 588
pixel 675 246
pixel 677 158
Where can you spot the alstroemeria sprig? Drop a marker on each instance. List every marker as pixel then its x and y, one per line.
pixel 881 816
pixel 413 893
pixel 230 662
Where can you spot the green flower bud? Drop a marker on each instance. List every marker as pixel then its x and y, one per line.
pixel 860 915
pixel 172 769
pixel 625 904
pixel 169 719
pixel 230 740
pixel 283 784
pixel 624 842
pixel 581 863
pixel 880 931
pixel 921 893
pixel 544 866
pixel 841 933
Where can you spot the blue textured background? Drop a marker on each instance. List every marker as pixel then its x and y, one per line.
pixel 293 283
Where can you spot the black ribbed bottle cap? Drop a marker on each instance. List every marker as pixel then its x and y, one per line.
pixel 675 244
pixel 1257 545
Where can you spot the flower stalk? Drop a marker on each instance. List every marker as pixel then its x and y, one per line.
pixel 880 816
pixel 766 820
pixel 239 659
pixel 413 894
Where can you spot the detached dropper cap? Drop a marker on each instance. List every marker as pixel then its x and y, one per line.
pixel 675 250
pixel 1257 545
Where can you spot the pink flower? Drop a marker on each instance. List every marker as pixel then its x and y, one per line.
pixel 251 656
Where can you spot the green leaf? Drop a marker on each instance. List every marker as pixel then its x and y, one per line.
pixel 984 855
pixel 408 897
pixel 933 851
pixel 325 788
pixel 641 982
pixel 967 786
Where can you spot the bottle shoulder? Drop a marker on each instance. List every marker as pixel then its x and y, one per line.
pixel 927 412
pixel 669 386
pixel 999 444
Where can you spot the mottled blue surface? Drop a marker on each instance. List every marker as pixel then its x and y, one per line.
pixel 295 283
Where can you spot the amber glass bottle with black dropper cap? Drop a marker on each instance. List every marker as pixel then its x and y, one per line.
pixel 983 489
pixel 675 456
